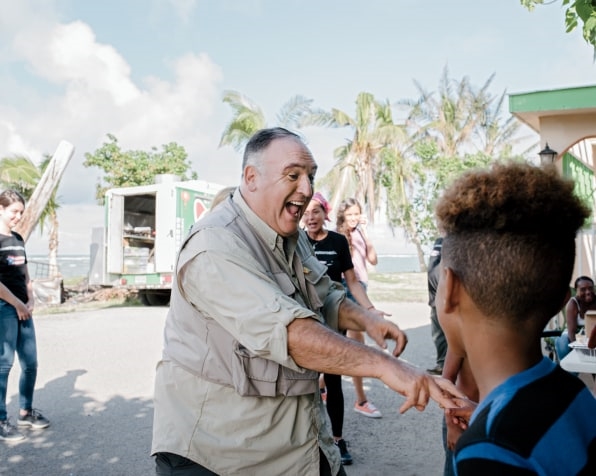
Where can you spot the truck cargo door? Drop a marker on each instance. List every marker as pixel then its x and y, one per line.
pixel 114 234
pixel 165 224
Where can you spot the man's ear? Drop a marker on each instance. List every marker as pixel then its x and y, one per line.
pixel 250 177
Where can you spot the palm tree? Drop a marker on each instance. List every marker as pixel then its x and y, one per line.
pixel 497 136
pixel 248 117
pixel 358 160
pixel 450 117
pixel 22 175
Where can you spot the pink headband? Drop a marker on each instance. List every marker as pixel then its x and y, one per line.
pixel 318 197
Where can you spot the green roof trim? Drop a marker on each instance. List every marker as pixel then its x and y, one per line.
pixel 554 100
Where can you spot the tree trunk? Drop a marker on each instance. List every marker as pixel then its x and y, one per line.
pixel 419 251
pixel 370 196
pixel 339 192
pixel 46 186
pixel 54 272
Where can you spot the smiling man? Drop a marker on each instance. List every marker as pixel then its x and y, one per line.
pixel 253 319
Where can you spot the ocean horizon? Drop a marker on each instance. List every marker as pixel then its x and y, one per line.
pixel 77 265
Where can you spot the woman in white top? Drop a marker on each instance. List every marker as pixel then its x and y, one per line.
pixel 575 311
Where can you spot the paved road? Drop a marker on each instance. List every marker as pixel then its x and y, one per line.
pixel 95 384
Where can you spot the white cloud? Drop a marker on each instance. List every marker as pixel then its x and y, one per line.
pixel 92 94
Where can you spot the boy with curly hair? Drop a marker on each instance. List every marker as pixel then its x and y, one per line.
pixel 507 259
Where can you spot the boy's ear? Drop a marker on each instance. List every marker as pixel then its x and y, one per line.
pixel 452 288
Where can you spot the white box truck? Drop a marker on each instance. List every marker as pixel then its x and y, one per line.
pixel 144 228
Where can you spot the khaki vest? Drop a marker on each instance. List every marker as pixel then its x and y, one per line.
pixel 199 344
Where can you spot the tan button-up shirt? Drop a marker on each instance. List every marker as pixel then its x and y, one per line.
pixel 212 424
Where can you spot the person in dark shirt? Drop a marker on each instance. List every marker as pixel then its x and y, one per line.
pixel 437 333
pixel 17 333
pixel 508 255
pixel 333 250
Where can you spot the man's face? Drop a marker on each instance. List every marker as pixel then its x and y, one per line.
pixel 280 189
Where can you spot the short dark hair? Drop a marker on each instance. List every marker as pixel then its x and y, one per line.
pixel 510 238
pixel 582 278
pixel 260 140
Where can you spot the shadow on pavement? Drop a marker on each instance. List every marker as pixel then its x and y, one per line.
pixel 86 437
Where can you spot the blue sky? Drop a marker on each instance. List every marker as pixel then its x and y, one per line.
pixel 153 71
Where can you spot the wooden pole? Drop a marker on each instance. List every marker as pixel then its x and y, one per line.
pixel 46 186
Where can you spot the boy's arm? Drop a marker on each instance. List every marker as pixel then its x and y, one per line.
pixel 451 366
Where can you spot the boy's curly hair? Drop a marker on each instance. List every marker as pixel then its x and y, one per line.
pixel 510 238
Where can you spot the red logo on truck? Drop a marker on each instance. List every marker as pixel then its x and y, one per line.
pixel 199 208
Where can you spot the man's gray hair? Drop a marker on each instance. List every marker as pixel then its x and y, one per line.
pixel 260 141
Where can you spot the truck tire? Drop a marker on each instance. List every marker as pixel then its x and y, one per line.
pixel 154 298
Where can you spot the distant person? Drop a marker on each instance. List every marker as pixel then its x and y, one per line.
pixel 507 258
pixel 17 332
pixel 222 195
pixel 437 333
pixel 333 251
pixel 352 224
pixel 253 320
pixel 575 312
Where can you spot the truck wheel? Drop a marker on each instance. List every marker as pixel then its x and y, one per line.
pixel 154 298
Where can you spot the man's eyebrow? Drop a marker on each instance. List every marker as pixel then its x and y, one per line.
pixel 297 165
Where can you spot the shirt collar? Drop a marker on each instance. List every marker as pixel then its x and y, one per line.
pixel 270 237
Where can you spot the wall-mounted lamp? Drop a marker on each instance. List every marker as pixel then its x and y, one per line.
pixel 547 155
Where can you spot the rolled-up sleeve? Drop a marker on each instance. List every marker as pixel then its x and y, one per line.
pixel 226 283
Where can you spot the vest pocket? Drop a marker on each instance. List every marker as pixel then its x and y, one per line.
pixel 253 376
pixel 317 290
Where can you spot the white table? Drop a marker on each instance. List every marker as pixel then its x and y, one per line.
pixel 572 363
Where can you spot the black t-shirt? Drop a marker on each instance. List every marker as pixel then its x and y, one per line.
pixel 433 270
pixel 13 265
pixel 334 252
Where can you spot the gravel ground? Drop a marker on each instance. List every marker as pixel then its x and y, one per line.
pixel 95 384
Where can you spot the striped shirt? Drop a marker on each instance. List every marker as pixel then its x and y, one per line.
pixel 541 421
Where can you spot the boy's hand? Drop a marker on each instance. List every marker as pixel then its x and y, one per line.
pixel 461 414
pixel 454 431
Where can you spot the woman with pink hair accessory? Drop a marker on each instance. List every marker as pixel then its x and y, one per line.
pixel 332 249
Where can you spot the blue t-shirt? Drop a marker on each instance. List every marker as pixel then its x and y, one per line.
pixel 540 421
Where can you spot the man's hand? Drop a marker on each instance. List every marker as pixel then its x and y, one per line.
pixel 418 387
pixel 380 329
pixel 379 313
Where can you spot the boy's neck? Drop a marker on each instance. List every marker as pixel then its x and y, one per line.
pixel 497 354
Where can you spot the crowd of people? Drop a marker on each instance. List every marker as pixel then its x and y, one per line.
pixel 269 309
